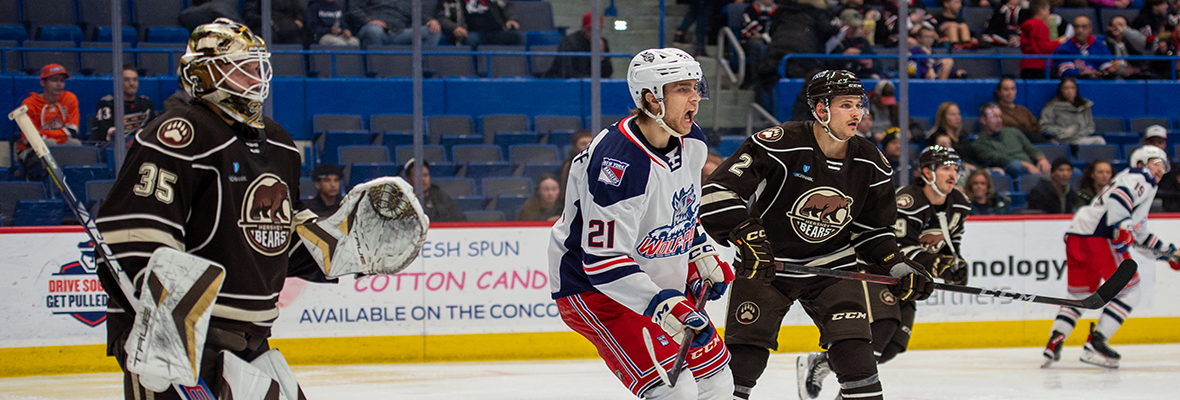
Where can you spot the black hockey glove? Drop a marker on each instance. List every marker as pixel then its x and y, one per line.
pixel 950 269
pixel 916 283
pixel 757 256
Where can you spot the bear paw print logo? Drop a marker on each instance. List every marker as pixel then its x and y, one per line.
pixel 747 312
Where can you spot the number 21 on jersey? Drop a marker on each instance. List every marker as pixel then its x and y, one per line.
pixel 602 234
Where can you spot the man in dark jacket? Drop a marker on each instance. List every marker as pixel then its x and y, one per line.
pixel 325 22
pixel 379 22
pixel 1055 195
pixel 436 203
pixel 578 67
pixel 326 201
pixel 476 22
pixel 286 19
pixel 797 28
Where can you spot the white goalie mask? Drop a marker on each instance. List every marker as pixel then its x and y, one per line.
pixel 651 69
pixel 229 66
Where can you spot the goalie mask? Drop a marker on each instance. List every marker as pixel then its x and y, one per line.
pixel 936 156
pixel 651 69
pixel 827 85
pixel 228 65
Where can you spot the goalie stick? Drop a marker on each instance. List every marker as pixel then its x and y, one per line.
pixel 669 377
pixel 101 249
pixel 1109 289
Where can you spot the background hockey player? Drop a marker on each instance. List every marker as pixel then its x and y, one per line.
pixel 824 195
pixel 219 181
pixel 629 239
pixel 1097 241
pixel 929 228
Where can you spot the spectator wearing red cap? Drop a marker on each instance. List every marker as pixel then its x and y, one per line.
pixel 54 112
pixel 578 67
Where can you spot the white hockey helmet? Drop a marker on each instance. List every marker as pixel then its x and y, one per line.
pixel 1146 153
pixel 651 69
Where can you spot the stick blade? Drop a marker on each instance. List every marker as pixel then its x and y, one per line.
pixel 1113 286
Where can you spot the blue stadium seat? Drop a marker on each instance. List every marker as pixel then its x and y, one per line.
pixel 68 58
pixel 60 33
pixel 510 204
pixel 495 123
pixel 1054 151
pixel 539 64
pixel 337 122
pixel 39 213
pixel 16 33
pixel 1121 138
pixel 1002 183
pixel 559 138
pixel 1028 182
pixel 1109 124
pixel 394 139
pixel 1140 124
pixel 469 153
pixel 1088 153
pixel 449 142
pixel 443 169
pixel 534 170
pixel 1130 148
pixel 455 186
pixel 533 153
pixel 77 177
pixel 490 169
pixel 508 139
pixel 12 193
pixel 449 65
pixel 493 187
pixel 543 38
pixel 167 34
pixel 76 155
pixel 440 125
pixel 363 154
pixel 99 63
pixel 471 203
pixel 432 153
pixel 307 188
pixel 3 174
pixel 97 190
pixel 361 173
pixel 534 15
pixel 333 140
pixel 51 12
pixel 159 63
pixel 392 122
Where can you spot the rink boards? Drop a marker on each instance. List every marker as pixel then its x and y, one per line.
pixel 481 292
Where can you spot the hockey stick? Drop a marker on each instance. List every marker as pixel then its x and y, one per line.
pixel 100 247
pixel 1109 289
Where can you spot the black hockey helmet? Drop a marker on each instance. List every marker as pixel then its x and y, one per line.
pixel 828 84
pixel 934 156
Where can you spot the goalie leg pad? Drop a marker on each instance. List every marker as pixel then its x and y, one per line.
pixel 275 366
pixel 379 229
pixel 241 380
pixel 168 335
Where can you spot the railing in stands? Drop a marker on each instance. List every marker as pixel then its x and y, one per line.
pixel 488 54
pixel 782 65
pixel 726 37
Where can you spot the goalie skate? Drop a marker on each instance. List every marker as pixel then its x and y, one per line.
pixel 811 370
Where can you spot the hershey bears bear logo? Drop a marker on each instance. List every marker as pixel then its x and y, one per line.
pixel 887 297
pixel 820 213
pixel 772 134
pixel 266 215
pixel 746 313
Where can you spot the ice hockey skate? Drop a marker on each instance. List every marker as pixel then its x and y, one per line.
pixel 811 370
pixel 1053 349
pixel 1096 352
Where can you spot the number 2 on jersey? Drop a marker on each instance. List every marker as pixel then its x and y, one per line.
pixel 598 229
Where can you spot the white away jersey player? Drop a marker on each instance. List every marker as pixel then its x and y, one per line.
pixel 1129 195
pixel 630 217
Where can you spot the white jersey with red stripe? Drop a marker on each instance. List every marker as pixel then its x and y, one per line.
pixel 631 215
pixel 1128 196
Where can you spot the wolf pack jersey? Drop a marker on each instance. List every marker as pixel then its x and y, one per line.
pixel 918 228
pixel 194 183
pixel 1128 196
pixel 817 211
pixel 630 217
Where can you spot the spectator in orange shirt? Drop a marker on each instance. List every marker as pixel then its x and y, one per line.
pixel 54 112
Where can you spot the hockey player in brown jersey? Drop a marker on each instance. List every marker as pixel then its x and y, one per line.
pixel 929 227
pixel 215 180
pixel 825 198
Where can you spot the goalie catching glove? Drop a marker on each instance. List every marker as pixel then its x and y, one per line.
pixel 754 250
pixel 378 230
pixel 951 269
pixel 916 283
pixel 673 313
pixel 705 262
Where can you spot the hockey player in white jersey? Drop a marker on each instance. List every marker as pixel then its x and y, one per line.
pixel 629 242
pixel 1098 240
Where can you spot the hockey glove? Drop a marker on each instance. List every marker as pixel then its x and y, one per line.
pixel 757 256
pixel 672 312
pixel 1174 260
pixel 1123 236
pixel 950 269
pixel 705 263
pixel 916 283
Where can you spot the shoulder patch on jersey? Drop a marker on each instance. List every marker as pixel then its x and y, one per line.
pixel 175 133
pixel 612 171
pixel 772 134
pixel 905 201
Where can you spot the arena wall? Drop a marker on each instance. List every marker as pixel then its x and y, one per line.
pixel 481 292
